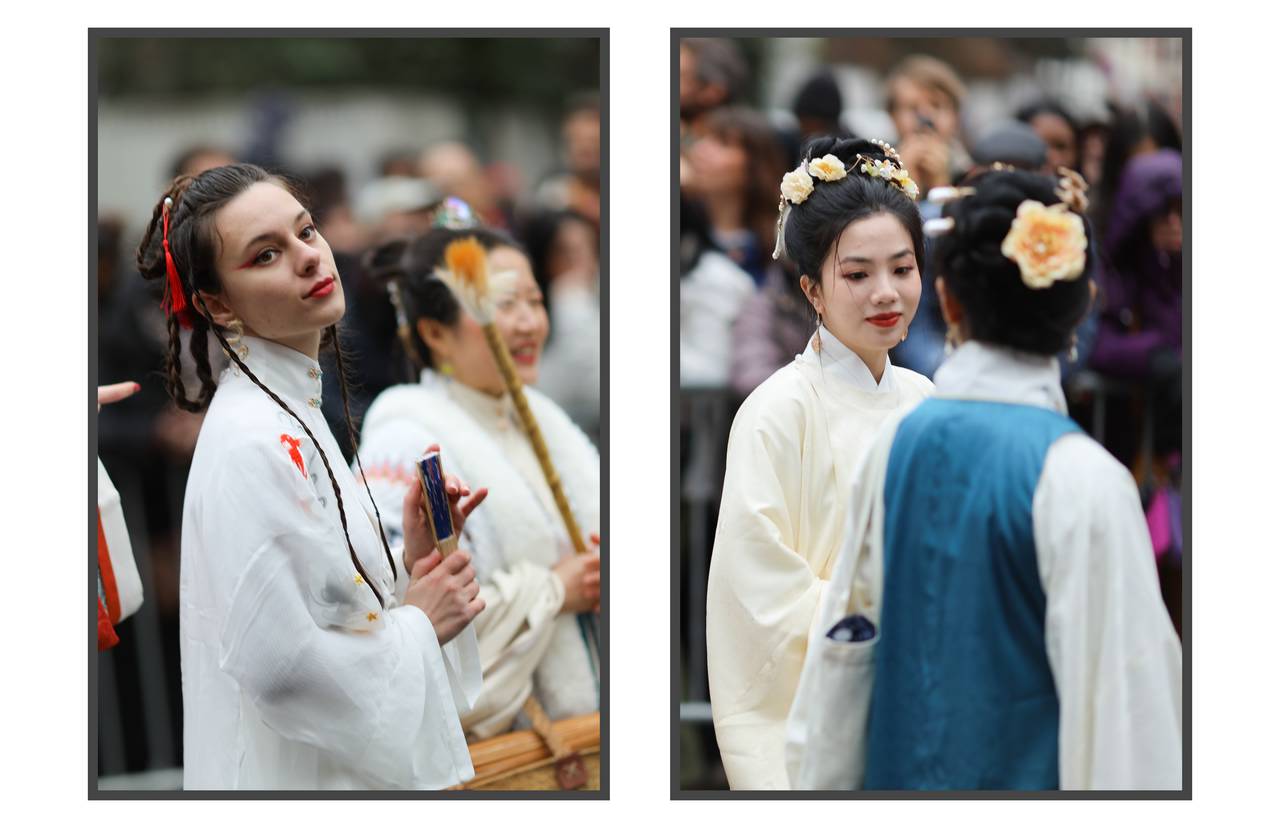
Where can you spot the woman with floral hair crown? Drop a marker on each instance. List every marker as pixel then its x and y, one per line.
pixel 849 222
pixel 994 620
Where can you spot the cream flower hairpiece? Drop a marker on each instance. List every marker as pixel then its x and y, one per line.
pixel 798 184
pixel 891 172
pixel 1047 243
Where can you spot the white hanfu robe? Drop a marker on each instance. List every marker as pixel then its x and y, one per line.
pixel 293 675
pixel 516 536
pixel 792 449
pixel 1115 658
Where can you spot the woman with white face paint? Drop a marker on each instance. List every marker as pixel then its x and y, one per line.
pixel 850 224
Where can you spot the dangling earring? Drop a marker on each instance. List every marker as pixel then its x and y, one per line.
pixel 817 335
pixel 1073 355
pixel 235 330
pixel 446 368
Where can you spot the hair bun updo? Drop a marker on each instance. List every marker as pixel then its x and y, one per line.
pixel 813 226
pixel 1000 308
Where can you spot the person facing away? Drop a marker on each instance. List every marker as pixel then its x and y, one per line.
pixel 853 230
pixel 539 633
pixel 314 656
pixel 994 620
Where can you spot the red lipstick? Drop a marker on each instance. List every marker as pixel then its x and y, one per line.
pixel 323 288
pixel 884 320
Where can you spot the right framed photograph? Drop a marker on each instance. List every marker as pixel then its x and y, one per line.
pixel 932 461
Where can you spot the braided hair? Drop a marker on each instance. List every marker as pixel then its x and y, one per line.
pixel 195 201
pixel 999 308
pixel 814 225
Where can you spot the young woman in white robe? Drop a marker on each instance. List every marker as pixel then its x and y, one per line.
pixel 1000 565
pixel 313 656
pixel 856 236
pixel 538 634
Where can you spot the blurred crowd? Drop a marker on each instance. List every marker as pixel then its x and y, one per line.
pixel 146 443
pixel 743 315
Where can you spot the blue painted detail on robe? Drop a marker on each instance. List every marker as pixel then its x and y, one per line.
pixel 964 697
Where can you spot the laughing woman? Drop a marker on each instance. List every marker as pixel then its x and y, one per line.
pixel 313 655
pixel 852 228
pixel 538 635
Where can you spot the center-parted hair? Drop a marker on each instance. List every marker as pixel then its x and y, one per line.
pixel 813 226
pixel 409 266
pixel 193 244
pixel 999 307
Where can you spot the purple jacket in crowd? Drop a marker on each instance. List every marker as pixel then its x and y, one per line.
pixel 1140 288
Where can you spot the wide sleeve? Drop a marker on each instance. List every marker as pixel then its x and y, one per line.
pixel 522 603
pixel 762 594
pixel 319 659
pixel 1116 659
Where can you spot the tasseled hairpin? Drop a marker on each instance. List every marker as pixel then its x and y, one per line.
pixel 175 299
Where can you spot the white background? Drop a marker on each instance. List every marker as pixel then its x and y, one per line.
pixel 1236 540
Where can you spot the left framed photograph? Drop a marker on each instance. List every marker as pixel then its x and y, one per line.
pixel 348 518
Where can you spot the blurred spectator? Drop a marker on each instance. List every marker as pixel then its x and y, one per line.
pixel 735 166
pixel 1134 132
pixel 326 189
pixel 398 163
pixel 817 108
pixel 563 249
pixel 454 170
pixel 577 187
pixel 1014 144
pixel 774 325
pixel 712 292
pixel 925 96
pixel 1058 131
pixel 197 159
pixel 1140 335
pixel 713 74
pixel 395 206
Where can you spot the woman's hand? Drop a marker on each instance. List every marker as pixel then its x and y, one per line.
pixel 447 591
pixel 418 540
pixel 580 575
pixel 108 394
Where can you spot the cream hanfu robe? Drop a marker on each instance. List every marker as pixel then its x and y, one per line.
pixel 293 675
pixel 515 536
pixel 792 449
pixel 1115 659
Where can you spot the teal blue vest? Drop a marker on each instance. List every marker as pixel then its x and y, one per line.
pixel 964 698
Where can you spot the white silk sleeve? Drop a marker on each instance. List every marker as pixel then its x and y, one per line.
pixel 1116 659
pixel 522 603
pixel 312 650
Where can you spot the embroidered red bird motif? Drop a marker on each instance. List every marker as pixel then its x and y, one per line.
pixel 294 454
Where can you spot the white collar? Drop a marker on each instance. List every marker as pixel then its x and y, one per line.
pixel 482 406
pixel 978 370
pixel 849 366
pixel 285 371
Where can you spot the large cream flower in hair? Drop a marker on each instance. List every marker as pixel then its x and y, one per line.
pixel 827 168
pixel 796 185
pixel 1047 243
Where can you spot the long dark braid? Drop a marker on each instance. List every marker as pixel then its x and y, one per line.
pixel 340 358
pixel 333 480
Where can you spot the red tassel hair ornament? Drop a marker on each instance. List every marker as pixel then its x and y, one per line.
pixel 175 299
